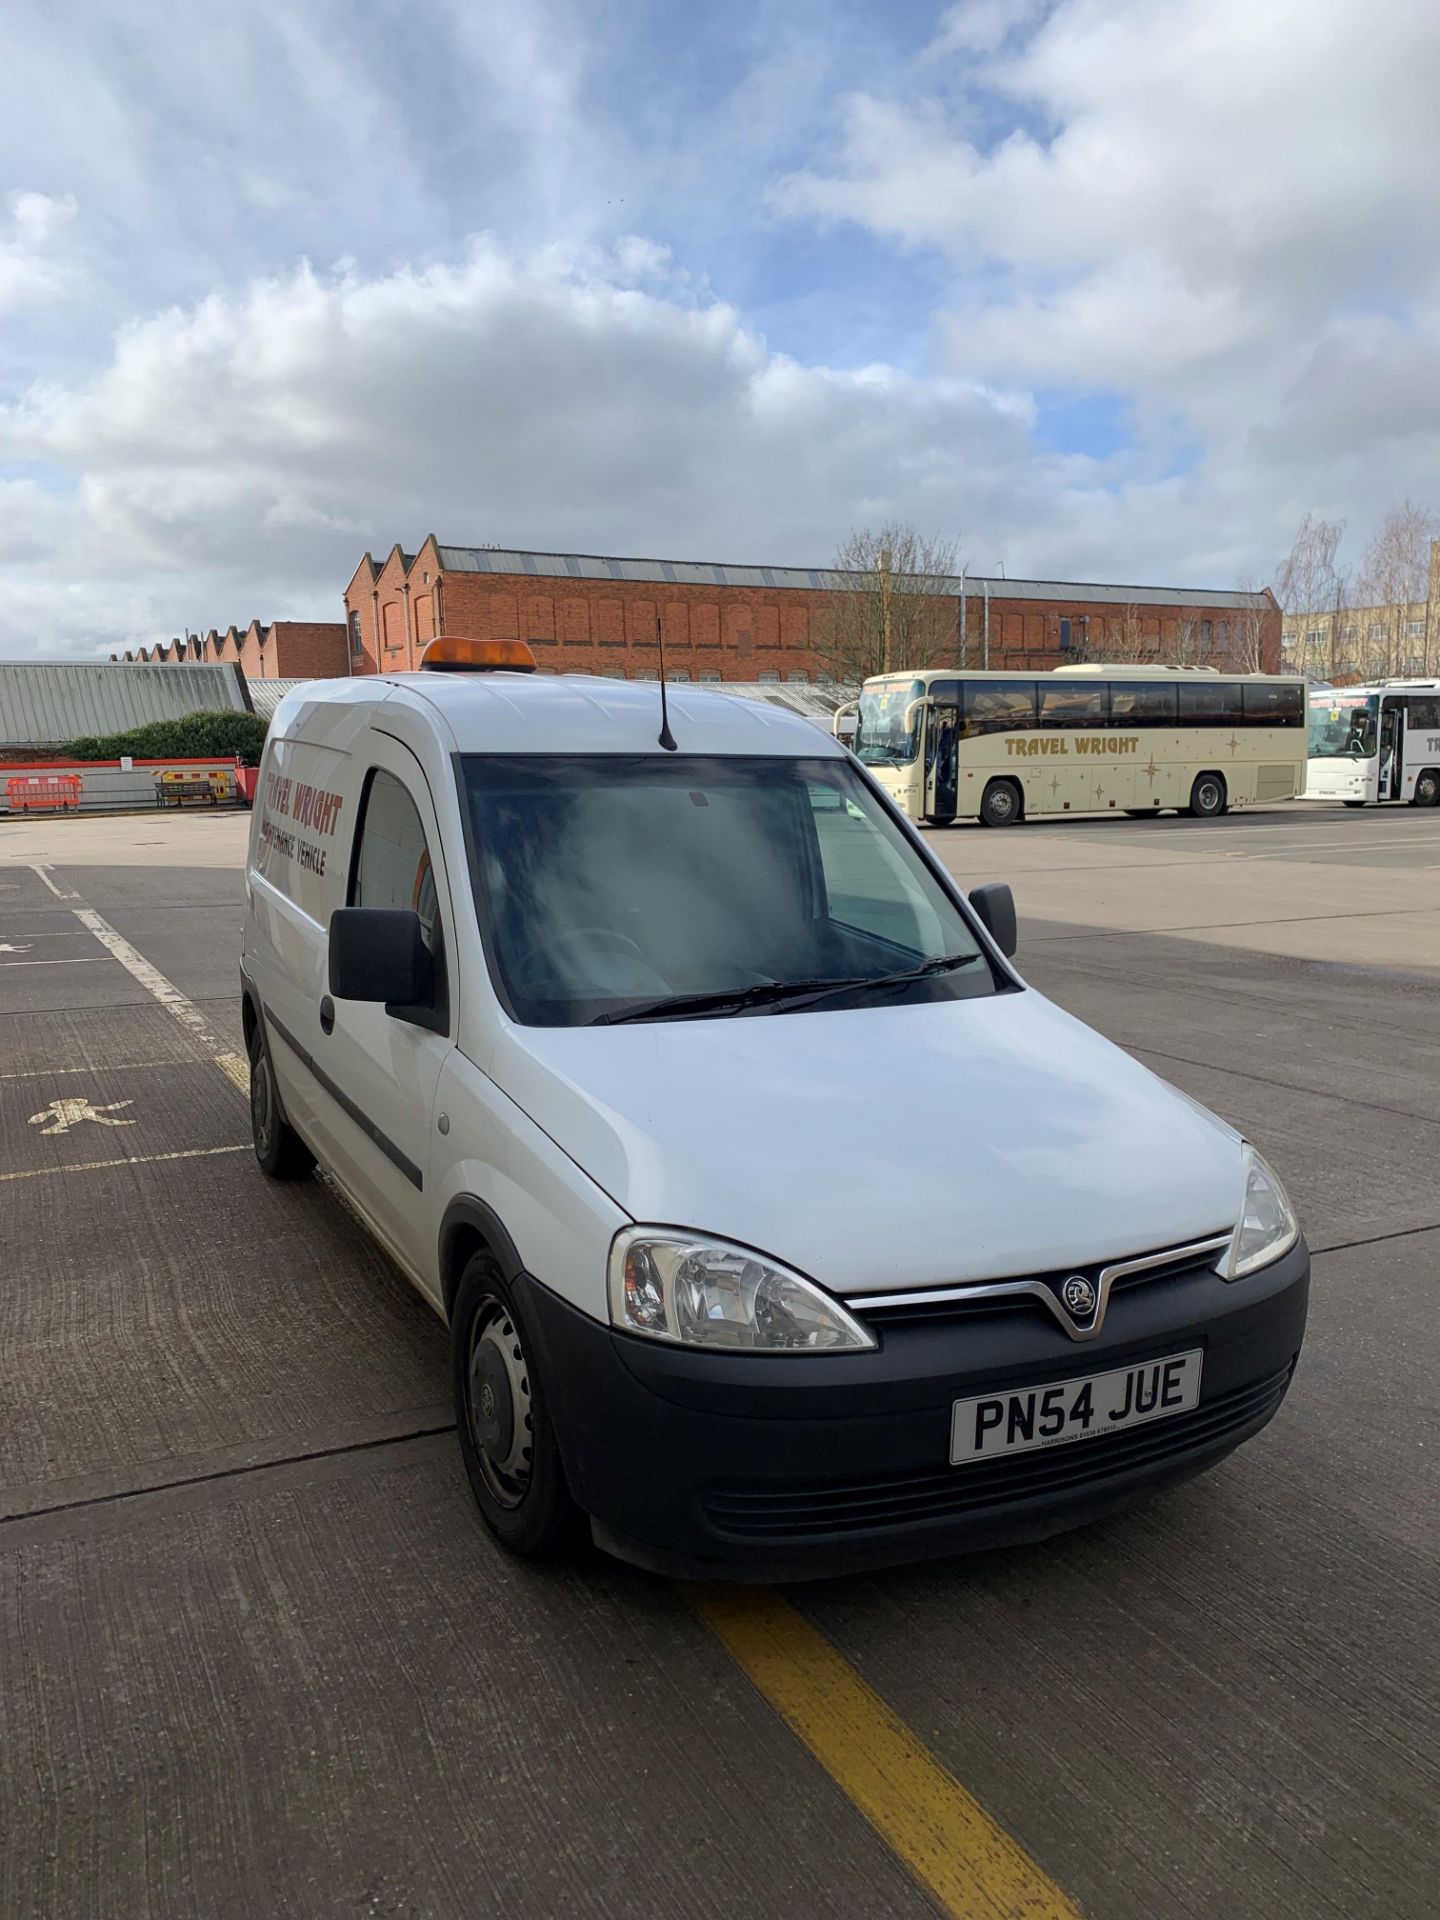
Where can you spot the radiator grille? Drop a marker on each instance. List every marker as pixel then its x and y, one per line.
pixel 856 1505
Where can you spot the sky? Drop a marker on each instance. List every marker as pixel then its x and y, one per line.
pixel 1095 289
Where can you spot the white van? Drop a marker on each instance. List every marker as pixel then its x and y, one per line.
pixel 780 1227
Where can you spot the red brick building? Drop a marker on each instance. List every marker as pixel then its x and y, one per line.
pixel 284 650
pixel 586 613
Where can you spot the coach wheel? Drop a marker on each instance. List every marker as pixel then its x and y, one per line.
pixel 1427 788
pixel 1207 796
pixel 1001 804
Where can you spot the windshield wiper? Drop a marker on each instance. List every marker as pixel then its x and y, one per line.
pixel 778 993
pixel 678 1005
pixel 870 983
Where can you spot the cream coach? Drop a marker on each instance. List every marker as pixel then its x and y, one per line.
pixel 779 1226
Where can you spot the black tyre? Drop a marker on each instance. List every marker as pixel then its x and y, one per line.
pixel 1207 796
pixel 1000 806
pixel 503 1418
pixel 279 1149
pixel 1427 787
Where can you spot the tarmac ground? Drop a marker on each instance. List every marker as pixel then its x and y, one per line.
pixel 258 1655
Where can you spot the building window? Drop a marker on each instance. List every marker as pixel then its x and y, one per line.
pixel 798 679
pixel 1348 633
pixel 1376 631
pixel 612 673
pixel 678 673
pixel 1065 636
pixel 769 678
pixel 1207 636
pixel 1315 637
pixel 826 679
pixel 709 679
pixel 1414 629
pixel 356 645
pixel 646 673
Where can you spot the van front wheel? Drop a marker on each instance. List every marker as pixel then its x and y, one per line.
pixel 278 1148
pixel 503 1418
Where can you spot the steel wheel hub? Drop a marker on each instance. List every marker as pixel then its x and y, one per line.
pixel 498 1381
pixel 262 1100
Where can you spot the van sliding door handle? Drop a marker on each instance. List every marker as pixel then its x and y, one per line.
pixel 327 1015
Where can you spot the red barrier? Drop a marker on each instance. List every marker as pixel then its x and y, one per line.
pixel 44 793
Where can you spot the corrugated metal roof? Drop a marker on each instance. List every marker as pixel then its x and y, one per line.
pixel 705 573
pixel 50 703
pixel 266 695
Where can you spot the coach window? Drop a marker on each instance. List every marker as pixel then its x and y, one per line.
pixel 1425 711
pixel 1209 703
pixel 1142 703
pixel 1073 705
pixel 996 706
pixel 1270 703
pixel 393 869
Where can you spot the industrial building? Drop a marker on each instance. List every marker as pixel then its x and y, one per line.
pixel 596 614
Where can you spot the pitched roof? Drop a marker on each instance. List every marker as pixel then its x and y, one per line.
pixel 706 573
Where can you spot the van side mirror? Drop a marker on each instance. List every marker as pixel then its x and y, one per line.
pixel 994 906
pixel 379 953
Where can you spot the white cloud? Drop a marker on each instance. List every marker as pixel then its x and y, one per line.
pixel 237 456
pixel 1182 202
pixel 981 26
pixel 31 271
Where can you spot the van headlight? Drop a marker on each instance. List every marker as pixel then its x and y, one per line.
pixel 1267 1226
pixel 698 1292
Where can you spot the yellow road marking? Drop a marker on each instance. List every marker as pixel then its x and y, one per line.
pixel 126 1160
pixel 943 1835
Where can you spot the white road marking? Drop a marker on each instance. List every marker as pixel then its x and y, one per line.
pixel 124 1066
pixel 60 893
pixel 180 1009
pixel 65 1114
pixel 87 960
pixel 129 1160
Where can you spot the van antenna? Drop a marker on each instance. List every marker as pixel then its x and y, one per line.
pixel 667 739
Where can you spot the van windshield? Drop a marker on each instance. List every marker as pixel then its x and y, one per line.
pixel 616 887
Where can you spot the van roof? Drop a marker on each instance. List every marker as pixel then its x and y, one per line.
pixel 583 713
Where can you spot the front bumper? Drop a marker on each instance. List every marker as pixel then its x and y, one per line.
pixel 755 1467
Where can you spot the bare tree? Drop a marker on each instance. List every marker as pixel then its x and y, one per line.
pixel 1120 640
pixel 1307 589
pixel 896 606
pixel 1247 632
pixel 1393 577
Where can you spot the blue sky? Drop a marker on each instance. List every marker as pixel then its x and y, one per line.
pixel 1114 289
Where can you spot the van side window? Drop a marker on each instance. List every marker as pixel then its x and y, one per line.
pixel 871 885
pixel 392 868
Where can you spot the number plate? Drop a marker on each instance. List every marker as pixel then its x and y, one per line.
pixel 1066 1410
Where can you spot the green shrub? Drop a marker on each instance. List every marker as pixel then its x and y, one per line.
pixel 195 736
